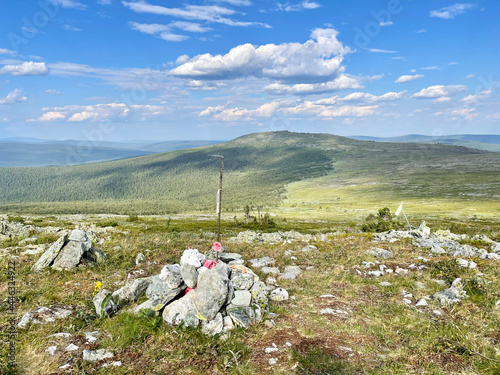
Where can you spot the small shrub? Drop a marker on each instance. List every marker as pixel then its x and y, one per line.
pixel 109 223
pixel 133 218
pixel 383 221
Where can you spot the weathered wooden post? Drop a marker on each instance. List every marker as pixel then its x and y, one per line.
pixel 219 194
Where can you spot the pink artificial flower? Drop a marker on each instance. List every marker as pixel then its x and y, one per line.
pixel 209 264
pixel 217 246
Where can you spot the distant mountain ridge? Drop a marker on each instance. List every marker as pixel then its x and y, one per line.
pixel 33 152
pixel 481 142
pixel 259 169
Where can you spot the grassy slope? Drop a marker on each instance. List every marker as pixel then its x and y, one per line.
pixel 379 334
pixel 313 169
pixel 481 142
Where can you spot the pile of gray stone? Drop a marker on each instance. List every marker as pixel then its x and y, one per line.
pixel 69 251
pixel 249 236
pixel 443 242
pixel 202 291
pixel 12 229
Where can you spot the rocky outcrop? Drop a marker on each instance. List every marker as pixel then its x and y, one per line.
pixel 68 252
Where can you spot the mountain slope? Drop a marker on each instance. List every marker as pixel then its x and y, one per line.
pixel 258 169
pixel 481 142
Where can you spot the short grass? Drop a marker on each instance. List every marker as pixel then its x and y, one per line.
pixel 377 334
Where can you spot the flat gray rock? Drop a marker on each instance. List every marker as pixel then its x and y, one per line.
pixel 171 275
pixel 97 355
pixel 48 257
pixel 380 253
pixel 213 327
pixel 261 262
pixel 242 316
pixel 182 311
pixel 453 294
pixel 241 281
pixel 104 304
pixel 131 291
pixel 241 298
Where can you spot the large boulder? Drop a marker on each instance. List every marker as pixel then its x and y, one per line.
pixel 161 294
pixel 182 311
pixel 68 252
pixel 131 291
pixel 171 275
pixel 71 254
pixel 48 256
pixel 211 292
pixel 189 275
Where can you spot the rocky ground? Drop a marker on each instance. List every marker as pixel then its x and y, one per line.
pixel 137 298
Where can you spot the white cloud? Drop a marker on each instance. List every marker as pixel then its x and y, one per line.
pixel 434 67
pixel 28 68
pixel 317 60
pixel 364 97
pixel 165 31
pixel 341 83
pixel 53 92
pixel 207 13
pixel 304 5
pixel 408 78
pixel 443 99
pixel 238 3
pixel 321 108
pixel 71 28
pixel 99 112
pixel 466 113
pixel 14 97
pixel 376 50
pixel 451 11
pixel 50 116
pixel 104 2
pixel 196 85
pixel 471 99
pixel 439 91
pixel 4 51
pixel 182 59
pixel 387 23
pixel 126 79
pixel 221 113
pixel 69 4
pixel 470 76
pixel 82 116
pixel 420 31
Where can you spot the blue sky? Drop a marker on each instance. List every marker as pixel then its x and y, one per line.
pixel 217 69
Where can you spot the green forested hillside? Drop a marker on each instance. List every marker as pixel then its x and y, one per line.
pixel 258 168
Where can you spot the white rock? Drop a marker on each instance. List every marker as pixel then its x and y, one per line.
pixel 113 364
pixel 407 301
pixel 422 302
pixel 375 273
pixel 279 294
pixel 64 367
pixel 327 296
pixel 193 257
pixel 270 350
pixel 91 337
pixel 51 350
pixel 385 283
pixel 273 361
pixel 97 355
pixel 71 348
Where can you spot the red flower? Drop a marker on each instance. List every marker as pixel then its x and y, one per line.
pixel 217 246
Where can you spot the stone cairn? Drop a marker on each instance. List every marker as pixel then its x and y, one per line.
pixel 68 252
pixel 216 293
